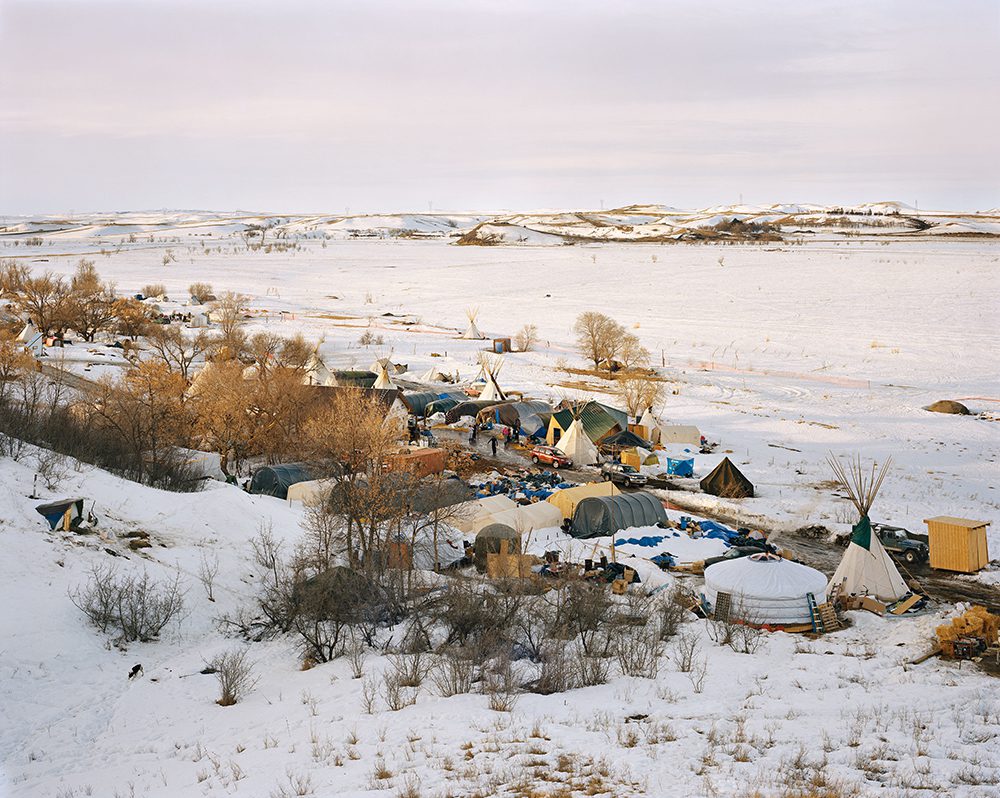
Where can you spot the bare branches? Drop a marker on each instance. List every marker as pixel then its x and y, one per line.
pixel 860 484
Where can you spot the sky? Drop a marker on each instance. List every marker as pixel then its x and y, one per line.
pixel 370 106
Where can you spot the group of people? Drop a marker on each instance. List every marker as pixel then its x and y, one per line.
pixel 509 436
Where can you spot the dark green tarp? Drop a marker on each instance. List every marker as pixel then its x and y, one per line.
pixel 597 516
pixel 727 481
pixel 277 479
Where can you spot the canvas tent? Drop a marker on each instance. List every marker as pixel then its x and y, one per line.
pixel 675 433
pixel 727 480
pixel 867 569
pixel 577 446
pixel 471 407
pixel 652 426
pixel 434 375
pixel 513 414
pixel 277 479
pixel 383 383
pixel 32 340
pixel 62 514
pixel 492 391
pixel 472 332
pixel 418 402
pixel 623 440
pixel 598 516
pixel 568 498
pixel 524 517
pixel 598 421
pixel 388 365
pixel 764 589
pixel 472 512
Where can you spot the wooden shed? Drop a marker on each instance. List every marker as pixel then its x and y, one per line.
pixel 420 462
pixel 957 544
pixel 502 345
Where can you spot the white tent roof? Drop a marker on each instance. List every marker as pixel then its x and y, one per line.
pixel 492 391
pixel 383 382
pixel 869 572
pixel 576 445
pixel 524 517
pixel 765 588
pixel 468 513
pixel 473 333
pixel 433 374
pixel 316 372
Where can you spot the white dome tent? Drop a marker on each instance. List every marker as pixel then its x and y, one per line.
pixel 765 590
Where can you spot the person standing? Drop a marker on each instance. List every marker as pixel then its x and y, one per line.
pixel 493 445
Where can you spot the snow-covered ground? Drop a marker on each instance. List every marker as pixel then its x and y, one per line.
pixel 780 353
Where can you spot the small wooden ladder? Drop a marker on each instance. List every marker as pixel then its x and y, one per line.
pixel 823 616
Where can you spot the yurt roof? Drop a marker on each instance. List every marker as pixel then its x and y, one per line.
pixel 764 576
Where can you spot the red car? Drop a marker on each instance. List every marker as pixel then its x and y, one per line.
pixel 550 455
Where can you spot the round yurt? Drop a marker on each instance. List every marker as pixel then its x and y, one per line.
pixel 488 542
pixel 764 589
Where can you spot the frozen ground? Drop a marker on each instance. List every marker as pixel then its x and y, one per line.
pixel 780 353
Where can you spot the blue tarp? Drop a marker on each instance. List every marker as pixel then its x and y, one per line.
pixel 680 468
pixel 717 531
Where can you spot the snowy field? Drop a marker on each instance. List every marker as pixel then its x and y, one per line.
pixel 780 353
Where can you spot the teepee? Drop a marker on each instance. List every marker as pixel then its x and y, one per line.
pixel 866 569
pixel 652 426
pixel 316 372
pixel 492 391
pixel 383 382
pixel 575 443
pixel 472 332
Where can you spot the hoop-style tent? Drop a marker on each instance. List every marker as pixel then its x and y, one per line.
pixel 277 479
pixel 568 498
pixel 598 516
pixel 765 589
pixel 727 480
pixel 488 542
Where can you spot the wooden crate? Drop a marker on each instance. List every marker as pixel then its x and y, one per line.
pixel 957 544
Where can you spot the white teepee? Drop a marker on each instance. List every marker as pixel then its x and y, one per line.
pixel 316 372
pixel 472 332
pixel 652 426
pixel 492 391
pixel 33 340
pixel 866 569
pixel 575 443
pixel 383 382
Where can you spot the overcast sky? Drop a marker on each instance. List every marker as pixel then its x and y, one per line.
pixel 368 105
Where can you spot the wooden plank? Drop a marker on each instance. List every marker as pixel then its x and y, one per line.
pixel 903 606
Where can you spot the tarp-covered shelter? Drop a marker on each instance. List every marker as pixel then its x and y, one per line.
pixel 618 441
pixel 417 402
pixel 469 408
pixel 277 479
pixel 352 379
pixel 568 498
pixel 512 414
pixel 598 421
pixel 727 481
pixel 441 406
pixel 421 497
pixel 488 542
pixel 598 516
pixel 62 513
pixel 763 589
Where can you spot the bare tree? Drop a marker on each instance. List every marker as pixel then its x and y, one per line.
pixel 631 352
pixel 526 338
pixel 638 392
pixel 598 337
pixel 177 350
pixel 228 311
pixel 208 569
pixel 90 303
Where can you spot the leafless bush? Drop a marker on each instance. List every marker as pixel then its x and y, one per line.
pixel 295 785
pixel 356 654
pixel 671 612
pixel 500 687
pixel 368 338
pixel 208 569
pixel 685 647
pixel 583 612
pixel 234 672
pixel 52 467
pixel 557 673
pixel 637 649
pixel 153 290
pixel 454 673
pixel 135 605
pixel 697 673
pixel 410 670
pixel 396 694
pixel 479 617
pixel 592 670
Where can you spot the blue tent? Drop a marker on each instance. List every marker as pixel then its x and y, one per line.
pixel 680 468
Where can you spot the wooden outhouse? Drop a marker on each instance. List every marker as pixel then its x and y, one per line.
pixel 957 544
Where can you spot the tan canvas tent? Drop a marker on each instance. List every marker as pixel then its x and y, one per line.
pixel 468 514
pixel 567 500
pixel 577 446
pixel 676 433
pixel 524 517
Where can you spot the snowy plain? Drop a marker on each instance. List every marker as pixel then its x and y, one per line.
pixel 780 353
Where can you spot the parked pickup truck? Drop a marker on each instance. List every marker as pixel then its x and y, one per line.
pixel 898 541
pixel 621 474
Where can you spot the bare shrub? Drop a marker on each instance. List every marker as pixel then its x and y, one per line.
pixel 637 649
pixel 153 290
pixel 368 338
pixel 234 672
pixel 557 673
pixel 500 687
pixel 200 291
pixel 671 612
pixel 697 673
pixel 208 569
pixel 410 669
pixel 396 694
pixel 454 673
pixel 592 670
pixel 356 654
pixel 583 611
pixel 136 606
pixel 685 647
